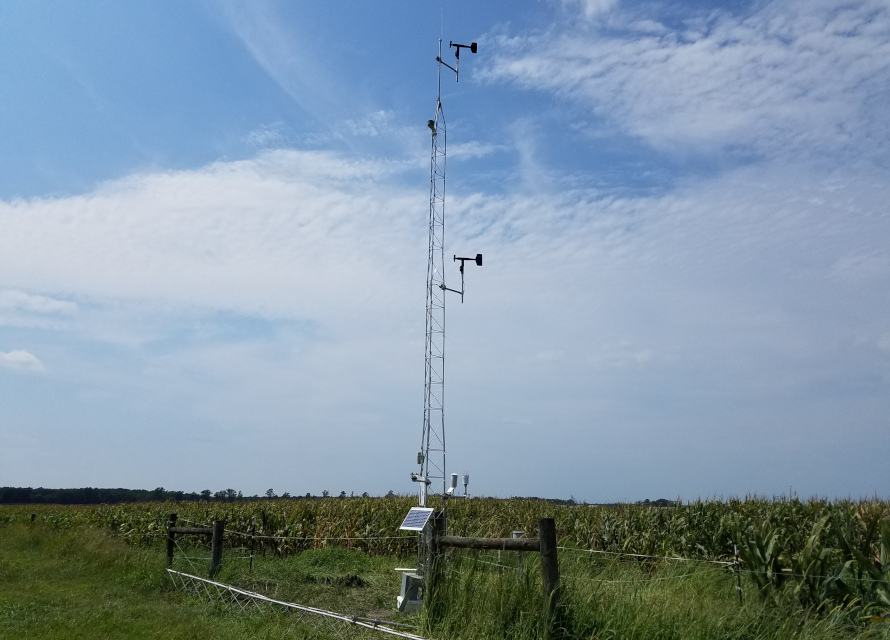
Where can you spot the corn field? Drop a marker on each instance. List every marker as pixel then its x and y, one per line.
pixel 819 552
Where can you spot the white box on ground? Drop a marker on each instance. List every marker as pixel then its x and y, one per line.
pixel 412 593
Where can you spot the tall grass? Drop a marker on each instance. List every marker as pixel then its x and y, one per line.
pixel 80 582
pixel 612 599
pixel 820 559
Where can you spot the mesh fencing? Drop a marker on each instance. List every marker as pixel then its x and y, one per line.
pixel 343 626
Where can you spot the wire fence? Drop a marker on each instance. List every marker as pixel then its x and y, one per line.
pixel 342 625
pixel 735 567
pixel 258 536
pixel 715 566
pixel 255 542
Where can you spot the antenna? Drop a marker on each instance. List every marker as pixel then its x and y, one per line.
pixel 431 457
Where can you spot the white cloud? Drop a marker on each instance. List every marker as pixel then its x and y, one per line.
pixel 11 300
pixel 19 360
pixel 286 233
pixel 270 135
pixel 592 8
pixel 336 241
pixel 274 306
pixel 372 124
pixel 473 149
pixel 793 78
pixel 588 304
pixel 28 310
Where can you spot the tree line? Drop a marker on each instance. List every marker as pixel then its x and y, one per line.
pixel 90 495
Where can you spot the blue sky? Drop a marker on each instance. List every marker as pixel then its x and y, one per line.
pixel 213 243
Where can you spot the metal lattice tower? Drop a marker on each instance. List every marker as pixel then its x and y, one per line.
pixel 431 457
pixel 432 446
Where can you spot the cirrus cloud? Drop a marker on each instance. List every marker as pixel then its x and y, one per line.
pixel 790 78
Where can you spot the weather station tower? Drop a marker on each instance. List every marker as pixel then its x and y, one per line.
pixel 431 477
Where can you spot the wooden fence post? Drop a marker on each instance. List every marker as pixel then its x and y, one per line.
pixel 437 522
pixel 433 575
pixel 171 539
pixel 545 544
pixel 216 546
pixel 549 564
pixel 252 543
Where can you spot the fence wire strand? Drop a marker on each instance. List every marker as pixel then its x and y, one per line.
pixel 200 524
pixel 640 555
pixel 265 537
pixel 183 554
pixel 642 579
pixel 499 565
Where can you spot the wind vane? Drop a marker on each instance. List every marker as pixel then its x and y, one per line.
pixel 458 47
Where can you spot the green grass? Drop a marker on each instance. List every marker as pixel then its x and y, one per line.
pixel 85 583
pixel 612 600
pixel 340 580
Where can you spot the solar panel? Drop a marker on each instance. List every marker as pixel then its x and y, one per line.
pixel 416 519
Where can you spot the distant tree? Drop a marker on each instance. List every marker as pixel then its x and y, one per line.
pixel 342 494
pixel 325 493
pixel 20 495
pixel 90 495
pixel 286 494
pixel 270 493
pixel 240 496
pixel 308 495
pixel 390 494
pixel 231 494
pixel 365 495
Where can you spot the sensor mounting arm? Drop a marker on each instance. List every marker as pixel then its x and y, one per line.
pixel 457 47
pixel 477 260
